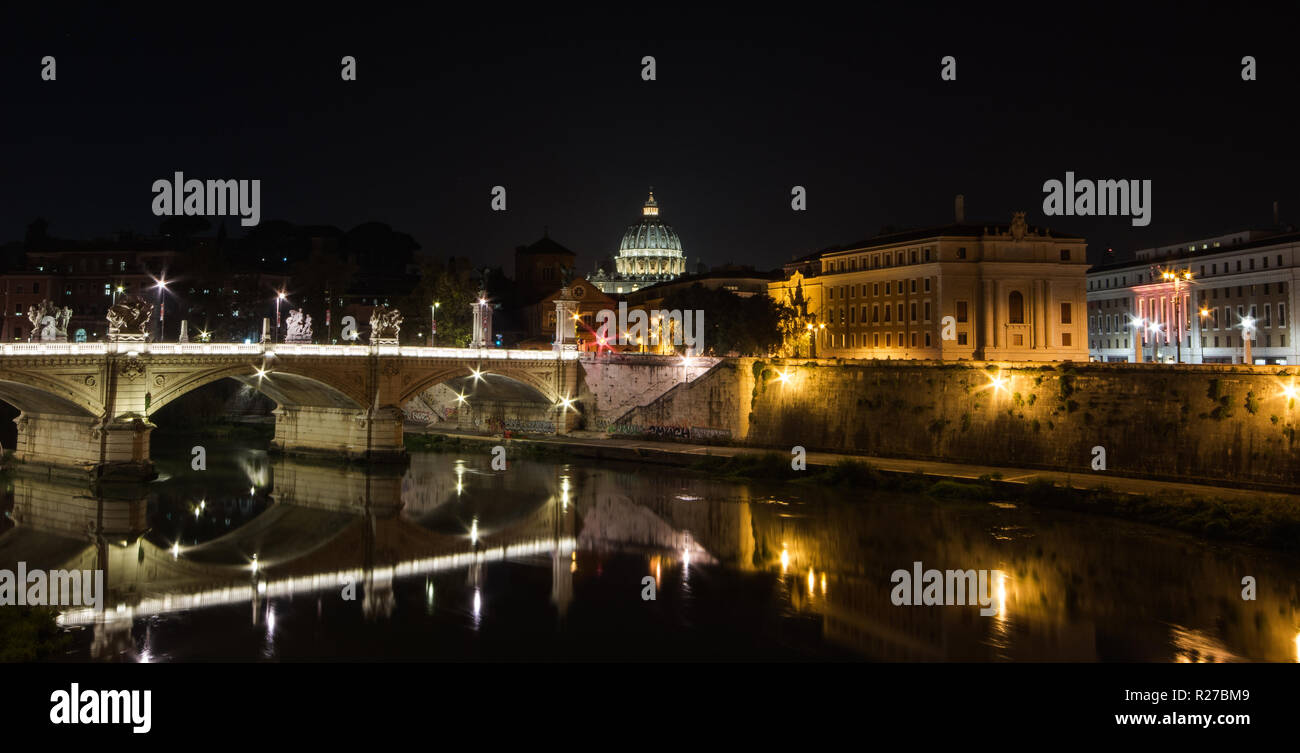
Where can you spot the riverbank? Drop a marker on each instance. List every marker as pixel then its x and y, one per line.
pixel 1250 516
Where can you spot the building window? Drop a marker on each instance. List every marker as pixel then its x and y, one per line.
pixel 961 253
pixel 1015 308
pixel 1281 315
pixel 927 339
pixel 875 313
pixel 875 340
pixel 927 284
pixel 1065 254
pixel 961 311
pixel 1065 339
pixel 927 311
pixel 913 339
pixel 961 338
pixel 889 340
pixel 1065 313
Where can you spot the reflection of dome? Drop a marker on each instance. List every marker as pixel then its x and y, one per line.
pixel 650 252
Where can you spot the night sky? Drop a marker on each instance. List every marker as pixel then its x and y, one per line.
pixel 553 108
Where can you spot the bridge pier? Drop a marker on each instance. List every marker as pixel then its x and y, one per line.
pixel 118 451
pixel 330 432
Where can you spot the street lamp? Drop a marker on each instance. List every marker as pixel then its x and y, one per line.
pixel 1177 278
pixel 1205 312
pixel 433 328
pixel 117 290
pixel 1247 334
pixel 162 310
pixel 1139 326
pixel 279 298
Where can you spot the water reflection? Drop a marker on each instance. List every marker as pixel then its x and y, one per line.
pixel 271 558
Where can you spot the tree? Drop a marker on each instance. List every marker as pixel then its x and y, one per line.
pixel 750 326
pixel 450 285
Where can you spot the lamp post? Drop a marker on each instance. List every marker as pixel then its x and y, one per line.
pixel 278 298
pixel 433 328
pixel 162 311
pixel 1200 327
pixel 117 290
pixel 1247 334
pixel 1177 278
pixel 1139 327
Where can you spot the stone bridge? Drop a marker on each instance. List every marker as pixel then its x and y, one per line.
pixel 89 405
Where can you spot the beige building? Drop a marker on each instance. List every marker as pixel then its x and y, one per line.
pixel 999 292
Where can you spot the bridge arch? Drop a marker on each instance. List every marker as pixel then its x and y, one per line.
pixel 542 384
pixel 287 387
pixel 36 393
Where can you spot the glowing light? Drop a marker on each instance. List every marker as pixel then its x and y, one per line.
pixel 565 402
pixel 477 373
pixel 255 563
pixel 460 398
pixel 782 377
pixel 473 530
pixel 176 550
pixel 785 558
pixel 823 584
pixel 812 581
pixel 686 557
pixel 282 295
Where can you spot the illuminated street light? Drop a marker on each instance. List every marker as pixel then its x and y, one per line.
pixel 162 310
pixel 280 297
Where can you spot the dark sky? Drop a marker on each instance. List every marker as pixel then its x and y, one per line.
pixel 553 108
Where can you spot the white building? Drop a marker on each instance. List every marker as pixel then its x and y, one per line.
pixel 1194 302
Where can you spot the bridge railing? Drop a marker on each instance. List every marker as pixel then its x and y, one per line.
pixel 408 351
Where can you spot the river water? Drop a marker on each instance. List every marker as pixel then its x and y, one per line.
pixel 263 558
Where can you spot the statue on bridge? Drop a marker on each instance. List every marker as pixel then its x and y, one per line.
pixel 385 323
pixel 128 319
pixel 298 327
pixel 52 321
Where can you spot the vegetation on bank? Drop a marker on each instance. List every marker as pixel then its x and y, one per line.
pixel 434 442
pixel 30 634
pixel 1264 521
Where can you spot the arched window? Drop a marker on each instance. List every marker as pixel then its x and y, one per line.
pixel 1016 308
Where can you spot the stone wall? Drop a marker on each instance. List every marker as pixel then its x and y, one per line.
pixel 1199 423
pixel 616 384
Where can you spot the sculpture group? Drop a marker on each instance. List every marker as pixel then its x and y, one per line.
pixel 385 323
pixel 128 319
pixel 49 322
pixel 298 327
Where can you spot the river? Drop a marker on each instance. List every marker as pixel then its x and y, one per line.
pixel 267 558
